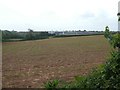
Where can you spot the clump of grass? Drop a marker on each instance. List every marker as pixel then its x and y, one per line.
pixel 51 85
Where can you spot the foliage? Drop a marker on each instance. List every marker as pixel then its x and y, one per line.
pixel 30 35
pixel 107 33
pixel 10 35
pixel 114 39
pixel 105 76
pixel 115 42
pixel 51 85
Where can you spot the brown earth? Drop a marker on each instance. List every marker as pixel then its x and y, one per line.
pixel 32 63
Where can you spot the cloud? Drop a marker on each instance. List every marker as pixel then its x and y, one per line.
pixel 87 15
pixel 58 14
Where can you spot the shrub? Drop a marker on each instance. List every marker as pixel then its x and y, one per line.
pixel 105 76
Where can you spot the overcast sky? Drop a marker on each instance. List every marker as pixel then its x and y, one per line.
pixel 58 15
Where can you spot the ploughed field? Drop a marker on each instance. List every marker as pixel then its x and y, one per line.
pixel 32 63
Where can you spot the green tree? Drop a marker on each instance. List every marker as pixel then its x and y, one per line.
pixel 29 35
pixel 107 33
pixel 114 39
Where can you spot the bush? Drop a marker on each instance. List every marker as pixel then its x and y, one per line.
pixel 115 42
pixel 105 76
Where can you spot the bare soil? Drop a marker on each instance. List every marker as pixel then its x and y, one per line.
pixel 32 63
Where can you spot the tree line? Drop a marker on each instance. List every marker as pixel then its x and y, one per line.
pixel 30 35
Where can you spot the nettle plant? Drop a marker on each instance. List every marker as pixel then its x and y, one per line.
pixel 114 39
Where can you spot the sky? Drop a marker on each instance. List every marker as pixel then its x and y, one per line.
pixel 58 15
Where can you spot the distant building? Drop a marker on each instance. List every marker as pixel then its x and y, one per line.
pixel 77 32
